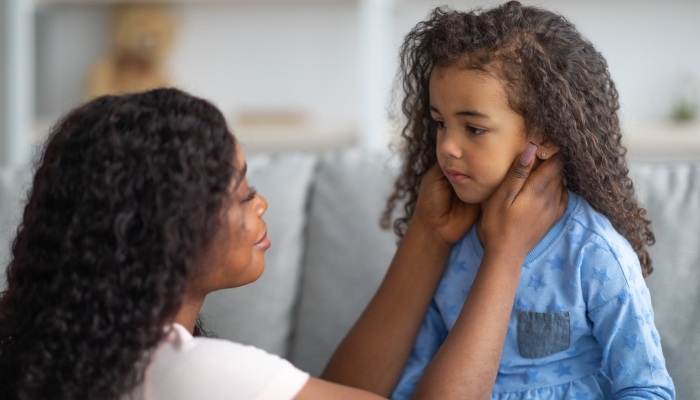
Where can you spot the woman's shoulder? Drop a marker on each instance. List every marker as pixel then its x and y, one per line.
pixel 184 367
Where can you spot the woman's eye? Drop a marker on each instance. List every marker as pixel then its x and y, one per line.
pixel 251 195
pixel 440 124
pixel 475 130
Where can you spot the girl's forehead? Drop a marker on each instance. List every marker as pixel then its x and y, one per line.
pixel 467 85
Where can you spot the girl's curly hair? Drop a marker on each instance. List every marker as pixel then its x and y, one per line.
pixel 554 78
pixel 125 200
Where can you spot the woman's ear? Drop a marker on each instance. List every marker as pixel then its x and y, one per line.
pixel 545 149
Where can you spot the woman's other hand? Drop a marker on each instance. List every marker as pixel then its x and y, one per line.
pixel 440 210
pixel 524 207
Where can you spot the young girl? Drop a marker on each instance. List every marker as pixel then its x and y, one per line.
pixel 478 87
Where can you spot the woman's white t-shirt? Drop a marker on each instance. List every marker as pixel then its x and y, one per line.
pixel 186 368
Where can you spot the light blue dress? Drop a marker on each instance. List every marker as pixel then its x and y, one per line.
pixel 582 325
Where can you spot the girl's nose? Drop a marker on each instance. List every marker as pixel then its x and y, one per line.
pixel 448 146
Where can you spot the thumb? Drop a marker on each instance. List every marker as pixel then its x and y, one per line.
pixel 519 172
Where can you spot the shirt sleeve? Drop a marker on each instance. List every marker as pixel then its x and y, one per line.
pixel 431 335
pixel 204 368
pixel 619 306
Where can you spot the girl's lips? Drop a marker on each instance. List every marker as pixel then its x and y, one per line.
pixel 455 176
pixel 263 243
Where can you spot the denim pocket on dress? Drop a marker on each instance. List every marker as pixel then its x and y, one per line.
pixel 542 334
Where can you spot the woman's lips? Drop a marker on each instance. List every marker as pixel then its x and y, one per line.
pixel 263 243
pixel 455 176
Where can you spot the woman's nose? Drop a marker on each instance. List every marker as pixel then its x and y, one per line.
pixel 261 205
pixel 448 145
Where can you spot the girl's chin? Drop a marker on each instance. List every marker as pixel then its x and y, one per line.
pixel 470 197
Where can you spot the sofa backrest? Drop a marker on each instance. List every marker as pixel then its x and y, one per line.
pixel 329 255
pixel 671 194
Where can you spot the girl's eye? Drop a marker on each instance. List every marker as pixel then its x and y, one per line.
pixel 440 124
pixel 251 195
pixel 475 130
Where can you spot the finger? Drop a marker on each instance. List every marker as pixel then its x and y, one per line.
pixel 519 172
pixel 547 177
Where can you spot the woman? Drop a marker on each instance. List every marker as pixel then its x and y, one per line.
pixel 140 207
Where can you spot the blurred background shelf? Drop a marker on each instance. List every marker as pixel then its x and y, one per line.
pixel 332 59
pixel 670 142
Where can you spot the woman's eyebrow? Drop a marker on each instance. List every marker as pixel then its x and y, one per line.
pixel 241 176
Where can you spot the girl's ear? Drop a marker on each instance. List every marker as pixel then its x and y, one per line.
pixel 545 149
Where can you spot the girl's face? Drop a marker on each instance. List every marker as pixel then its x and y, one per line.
pixel 237 253
pixel 478 134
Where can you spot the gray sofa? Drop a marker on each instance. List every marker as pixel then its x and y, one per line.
pixel 328 255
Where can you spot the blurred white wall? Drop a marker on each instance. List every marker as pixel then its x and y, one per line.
pixel 648 44
pixel 304 55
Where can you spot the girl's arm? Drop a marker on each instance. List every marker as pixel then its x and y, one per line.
pixel 374 352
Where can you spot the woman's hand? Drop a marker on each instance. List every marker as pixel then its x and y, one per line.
pixel 524 207
pixel 440 210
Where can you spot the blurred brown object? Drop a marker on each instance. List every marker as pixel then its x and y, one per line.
pixel 141 38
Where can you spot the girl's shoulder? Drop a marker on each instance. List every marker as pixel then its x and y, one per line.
pixel 589 227
pixel 600 249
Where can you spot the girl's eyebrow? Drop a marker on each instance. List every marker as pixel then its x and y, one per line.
pixel 240 176
pixel 467 113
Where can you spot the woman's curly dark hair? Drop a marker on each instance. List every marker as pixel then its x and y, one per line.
pixel 554 78
pixel 126 199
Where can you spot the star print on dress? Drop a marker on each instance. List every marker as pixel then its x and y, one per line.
pixel 632 272
pixel 623 369
pixel 601 275
pixel 656 364
pixel 601 246
pixel 632 341
pixel 623 297
pixel 643 317
pixel 600 299
pixel 530 376
pixel 575 238
pixel 556 307
pixel 537 283
pixel 588 279
pixel 556 263
pixel 522 305
pixel 563 370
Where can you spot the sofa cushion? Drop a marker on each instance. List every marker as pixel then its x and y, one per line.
pixel 347 252
pixel 260 314
pixel 14 184
pixel 671 194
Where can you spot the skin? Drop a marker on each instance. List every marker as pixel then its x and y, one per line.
pixel 478 133
pixel 237 256
pixel 369 361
